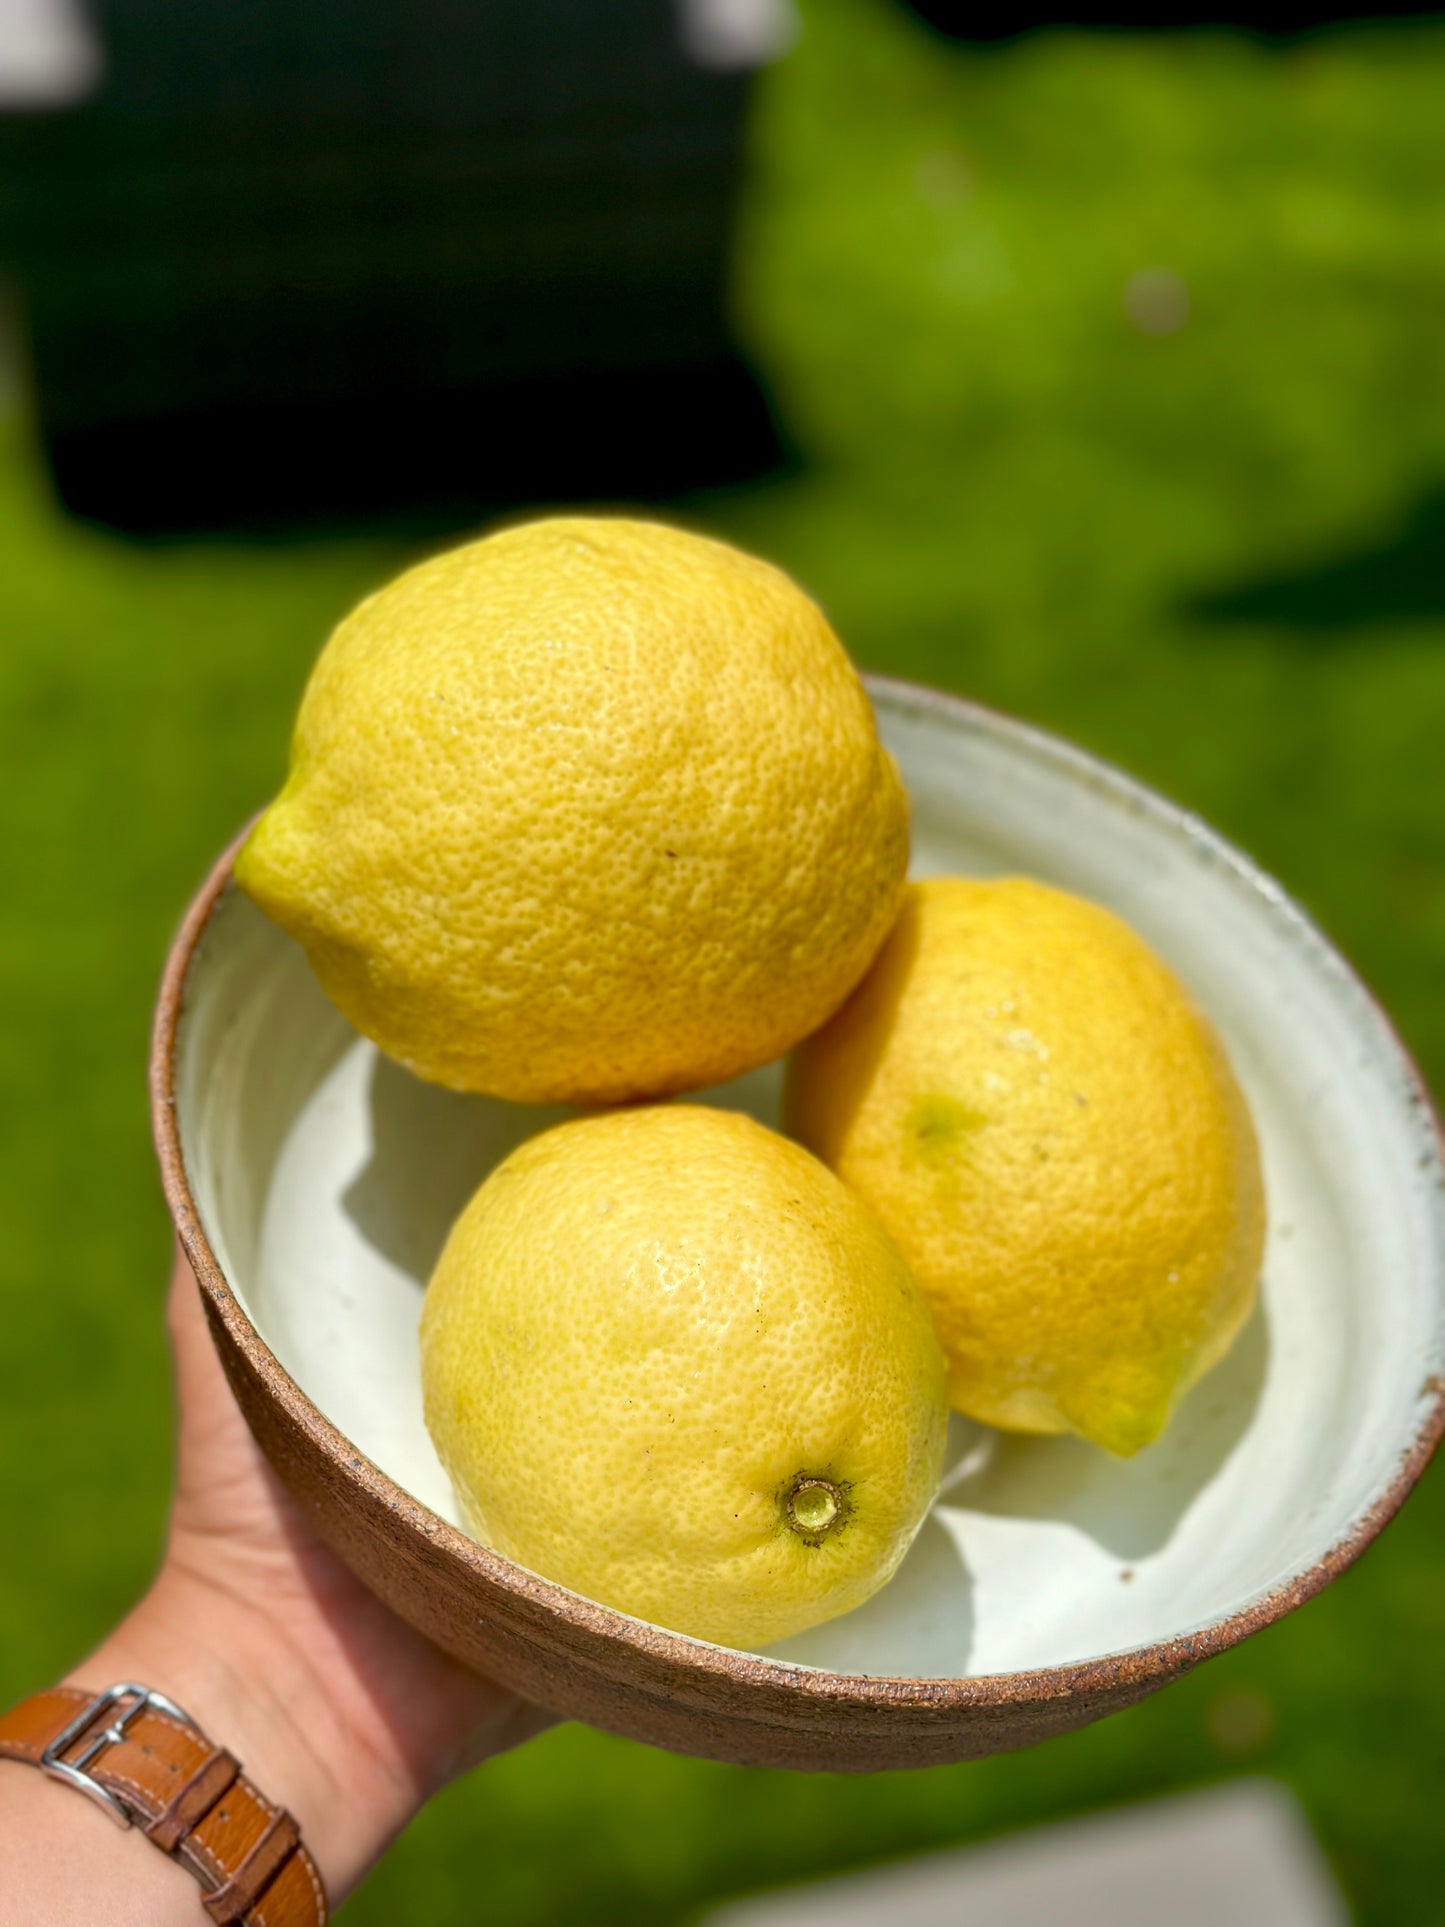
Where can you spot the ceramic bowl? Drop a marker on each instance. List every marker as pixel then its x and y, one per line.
pixel 313 1182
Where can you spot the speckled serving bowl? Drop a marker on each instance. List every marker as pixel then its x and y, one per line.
pixel 313 1182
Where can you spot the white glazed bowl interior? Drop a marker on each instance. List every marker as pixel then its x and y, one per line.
pixel 326 1179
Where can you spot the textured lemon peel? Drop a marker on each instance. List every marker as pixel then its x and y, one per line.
pixel 589 811
pixel 1054 1138
pixel 647 1391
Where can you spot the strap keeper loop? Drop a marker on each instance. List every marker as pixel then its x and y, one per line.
pixel 255 1873
pixel 194 1800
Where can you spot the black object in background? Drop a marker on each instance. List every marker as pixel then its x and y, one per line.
pixel 338 258
pixel 1004 19
pixel 305 258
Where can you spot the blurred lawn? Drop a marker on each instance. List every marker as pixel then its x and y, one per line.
pixel 1217 556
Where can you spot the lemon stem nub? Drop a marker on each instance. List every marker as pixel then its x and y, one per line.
pixel 812 1508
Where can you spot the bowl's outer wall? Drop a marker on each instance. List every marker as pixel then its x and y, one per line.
pixel 583 1661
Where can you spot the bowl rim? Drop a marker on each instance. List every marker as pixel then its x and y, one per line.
pixel 1105 1674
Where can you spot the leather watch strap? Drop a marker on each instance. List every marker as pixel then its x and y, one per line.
pixel 140 1754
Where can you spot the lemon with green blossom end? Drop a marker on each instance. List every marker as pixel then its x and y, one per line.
pixel 1052 1133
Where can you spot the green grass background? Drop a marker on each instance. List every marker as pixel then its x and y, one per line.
pixel 1217 557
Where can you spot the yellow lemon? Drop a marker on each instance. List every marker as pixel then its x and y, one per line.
pixel 671 1362
pixel 1051 1131
pixel 590 810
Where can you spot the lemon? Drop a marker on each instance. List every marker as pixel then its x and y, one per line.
pixel 1052 1133
pixel 590 810
pixel 671 1362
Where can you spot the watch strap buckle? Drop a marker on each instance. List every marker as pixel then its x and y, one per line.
pixel 105 1703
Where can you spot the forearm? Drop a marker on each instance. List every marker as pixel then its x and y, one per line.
pixel 63 1863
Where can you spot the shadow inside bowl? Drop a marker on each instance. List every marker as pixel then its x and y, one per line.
pixel 430 1149
pixel 926 1608
pixel 1131 1508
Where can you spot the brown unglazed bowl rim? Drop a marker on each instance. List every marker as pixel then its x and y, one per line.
pixel 1137 1667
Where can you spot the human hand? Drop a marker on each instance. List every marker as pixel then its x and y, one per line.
pixel 337 1709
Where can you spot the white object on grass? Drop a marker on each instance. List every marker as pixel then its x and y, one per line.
pixel 1241 1855
pixel 50 55
pixel 726 34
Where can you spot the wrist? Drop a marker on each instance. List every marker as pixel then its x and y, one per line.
pixel 243 1678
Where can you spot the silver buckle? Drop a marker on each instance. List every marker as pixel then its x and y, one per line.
pixel 73 1771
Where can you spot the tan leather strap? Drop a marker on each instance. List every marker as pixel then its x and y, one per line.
pixel 190 1798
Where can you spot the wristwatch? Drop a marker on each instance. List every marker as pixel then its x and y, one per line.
pixel 136 1754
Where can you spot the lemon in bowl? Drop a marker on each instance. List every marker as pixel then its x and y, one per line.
pixel 1052 1132
pixel 590 810
pixel 672 1362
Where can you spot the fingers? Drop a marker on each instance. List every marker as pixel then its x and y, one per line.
pixel 200 1382
pixel 223 1486
pixel 186 1321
